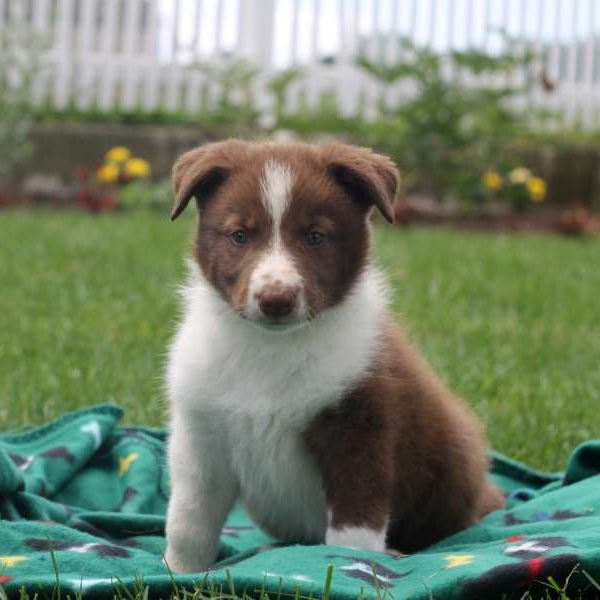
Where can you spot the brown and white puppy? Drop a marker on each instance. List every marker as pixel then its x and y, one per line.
pixel 290 388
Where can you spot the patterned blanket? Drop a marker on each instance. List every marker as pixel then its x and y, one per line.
pixel 82 505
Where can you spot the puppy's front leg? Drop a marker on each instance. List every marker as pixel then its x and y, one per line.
pixel 203 491
pixel 352 446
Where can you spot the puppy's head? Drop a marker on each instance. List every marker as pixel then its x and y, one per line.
pixel 283 230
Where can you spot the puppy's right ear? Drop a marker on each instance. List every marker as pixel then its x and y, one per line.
pixel 200 172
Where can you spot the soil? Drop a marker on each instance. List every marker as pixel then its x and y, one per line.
pixel 576 220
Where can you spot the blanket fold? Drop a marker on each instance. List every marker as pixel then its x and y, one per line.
pixel 91 496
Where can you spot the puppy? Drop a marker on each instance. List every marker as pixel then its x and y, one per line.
pixel 290 387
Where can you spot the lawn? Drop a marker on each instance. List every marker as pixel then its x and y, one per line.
pixel 87 306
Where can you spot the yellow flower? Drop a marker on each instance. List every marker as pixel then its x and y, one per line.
pixel 537 188
pixel 118 154
pixel 492 181
pixel 108 173
pixel 137 167
pixel 519 175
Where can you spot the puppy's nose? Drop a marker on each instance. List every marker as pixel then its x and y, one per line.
pixel 277 301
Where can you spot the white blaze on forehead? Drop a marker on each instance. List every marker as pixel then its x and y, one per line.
pixel 276 191
pixel 276 266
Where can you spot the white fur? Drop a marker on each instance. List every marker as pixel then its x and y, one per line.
pixel 276 266
pixel 240 399
pixel 276 191
pixel 357 537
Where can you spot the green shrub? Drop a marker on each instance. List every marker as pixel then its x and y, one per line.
pixel 449 132
pixel 20 52
pixel 445 136
pixel 147 194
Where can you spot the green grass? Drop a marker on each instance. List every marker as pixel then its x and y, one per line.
pixel 87 305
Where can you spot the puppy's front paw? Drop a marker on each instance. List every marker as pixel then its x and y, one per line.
pixel 186 562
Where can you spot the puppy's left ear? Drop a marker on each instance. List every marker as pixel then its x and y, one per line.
pixel 371 179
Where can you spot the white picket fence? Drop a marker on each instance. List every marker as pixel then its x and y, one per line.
pixel 130 54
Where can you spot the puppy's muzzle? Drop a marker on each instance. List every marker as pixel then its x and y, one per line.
pixel 278 301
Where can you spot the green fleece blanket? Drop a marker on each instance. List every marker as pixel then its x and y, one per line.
pixel 84 500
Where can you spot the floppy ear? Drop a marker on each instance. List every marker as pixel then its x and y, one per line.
pixel 199 173
pixel 371 179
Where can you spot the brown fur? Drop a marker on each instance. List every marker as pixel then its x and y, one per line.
pixel 411 452
pixel 399 448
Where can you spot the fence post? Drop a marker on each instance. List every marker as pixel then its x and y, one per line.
pixel 42 27
pixel 589 117
pixel 107 96
pixel 64 60
pixel 131 59
pixel 152 69
pixel 255 45
pixel 173 76
pixel 256 32
pixel 87 67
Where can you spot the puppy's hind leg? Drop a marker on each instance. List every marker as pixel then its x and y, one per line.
pixel 357 477
pixel 491 499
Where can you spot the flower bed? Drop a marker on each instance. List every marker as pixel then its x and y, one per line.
pixel 99 189
pixel 576 220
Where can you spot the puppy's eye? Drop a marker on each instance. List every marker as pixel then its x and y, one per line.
pixel 239 237
pixel 315 238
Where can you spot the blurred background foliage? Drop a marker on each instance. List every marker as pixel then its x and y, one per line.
pixel 444 135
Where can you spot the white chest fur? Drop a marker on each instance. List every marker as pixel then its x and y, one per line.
pixel 279 482
pixel 258 390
